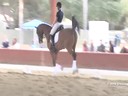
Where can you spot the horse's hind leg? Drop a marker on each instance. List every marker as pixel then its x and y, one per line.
pixel 73 50
pixel 74 55
pixel 74 65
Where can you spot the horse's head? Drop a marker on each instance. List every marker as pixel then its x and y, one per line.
pixel 43 30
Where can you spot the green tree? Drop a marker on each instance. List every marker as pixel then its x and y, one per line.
pixel 124 18
pixel 107 10
pixel 39 9
pixel 11 10
pixel 73 8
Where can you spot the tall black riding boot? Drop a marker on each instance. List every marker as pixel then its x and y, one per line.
pixel 52 39
pixel 53 43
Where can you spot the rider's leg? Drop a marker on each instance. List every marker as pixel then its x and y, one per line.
pixel 52 39
pixel 53 30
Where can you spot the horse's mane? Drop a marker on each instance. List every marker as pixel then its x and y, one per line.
pixel 46 24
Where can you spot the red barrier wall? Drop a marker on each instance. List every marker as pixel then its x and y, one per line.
pixel 84 59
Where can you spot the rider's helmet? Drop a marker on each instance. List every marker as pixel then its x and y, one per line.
pixel 59 4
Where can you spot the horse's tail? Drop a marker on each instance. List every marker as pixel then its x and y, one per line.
pixel 75 24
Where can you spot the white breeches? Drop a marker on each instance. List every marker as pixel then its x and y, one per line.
pixel 54 28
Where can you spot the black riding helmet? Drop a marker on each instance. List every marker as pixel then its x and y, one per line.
pixel 59 4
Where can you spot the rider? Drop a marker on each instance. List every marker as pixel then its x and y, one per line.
pixel 57 23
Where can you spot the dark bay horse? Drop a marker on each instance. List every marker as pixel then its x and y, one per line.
pixel 67 39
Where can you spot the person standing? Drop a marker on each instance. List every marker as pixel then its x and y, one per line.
pixel 101 47
pixel 85 47
pixel 111 47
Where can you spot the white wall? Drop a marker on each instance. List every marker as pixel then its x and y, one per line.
pixel 7 34
pixel 98 30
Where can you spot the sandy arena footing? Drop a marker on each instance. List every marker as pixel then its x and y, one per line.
pixel 84 73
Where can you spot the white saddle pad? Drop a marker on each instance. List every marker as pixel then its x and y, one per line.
pixel 56 38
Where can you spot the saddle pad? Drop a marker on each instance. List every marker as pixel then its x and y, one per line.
pixel 56 38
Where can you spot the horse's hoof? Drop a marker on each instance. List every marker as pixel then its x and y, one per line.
pixel 75 71
pixel 62 68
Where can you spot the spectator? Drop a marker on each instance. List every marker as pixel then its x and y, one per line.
pixel 101 47
pixel 91 46
pixel 124 50
pixel 117 40
pixel 5 44
pixel 111 47
pixel 14 41
pixel 85 47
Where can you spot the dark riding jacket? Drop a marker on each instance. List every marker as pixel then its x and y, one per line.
pixel 59 16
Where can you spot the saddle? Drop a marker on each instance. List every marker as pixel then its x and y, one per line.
pixel 53 42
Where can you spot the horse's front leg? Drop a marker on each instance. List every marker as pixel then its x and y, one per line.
pixel 57 67
pixel 54 57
